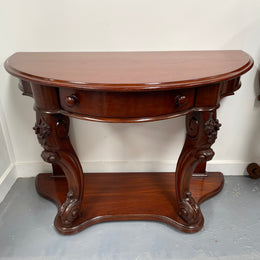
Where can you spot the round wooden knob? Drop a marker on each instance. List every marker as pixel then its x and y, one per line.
pixel 71 100
pixel 181 100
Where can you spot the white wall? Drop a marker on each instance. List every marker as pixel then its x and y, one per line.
pixel 4 155
pixel 8 172
pixel 129 25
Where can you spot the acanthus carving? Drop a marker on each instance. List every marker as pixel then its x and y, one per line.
pixel 42 130
pixel 205 155
pixel 188 209
pixel 69 210
pixel 52 133
pixel 211 128
pixel 50 157
pixel 202 130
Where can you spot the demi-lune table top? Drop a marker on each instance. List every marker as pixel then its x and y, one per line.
pixel 129 71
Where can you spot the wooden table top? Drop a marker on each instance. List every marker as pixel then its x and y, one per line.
pixel 129 71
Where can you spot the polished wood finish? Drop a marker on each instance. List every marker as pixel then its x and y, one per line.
pixel 126 105
pixel 129 71
pixel 129 196
pixel 128 87
pixel 52 133
pixel 202 130
pixel 253 170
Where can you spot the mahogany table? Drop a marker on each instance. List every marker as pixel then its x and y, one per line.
pixel 128 87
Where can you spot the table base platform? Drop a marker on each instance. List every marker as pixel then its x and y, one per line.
pixel 129 196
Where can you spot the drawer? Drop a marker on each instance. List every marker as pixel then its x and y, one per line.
pixel 125 104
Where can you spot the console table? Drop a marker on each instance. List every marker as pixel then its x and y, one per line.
pixel 128 87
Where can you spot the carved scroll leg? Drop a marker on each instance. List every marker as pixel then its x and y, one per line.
pixel 52 134
pixel 57 171
pixel 202 130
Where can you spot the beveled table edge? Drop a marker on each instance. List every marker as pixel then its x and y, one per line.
pixel 128 87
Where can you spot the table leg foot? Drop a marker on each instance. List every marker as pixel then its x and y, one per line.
pixel 189 209
pixel 253 170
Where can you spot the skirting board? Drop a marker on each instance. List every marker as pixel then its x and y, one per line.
pixel 31 169
pixel 7 180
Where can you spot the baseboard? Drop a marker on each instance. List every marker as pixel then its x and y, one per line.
pixel 229 167
pixel 30 169
pixel 7 180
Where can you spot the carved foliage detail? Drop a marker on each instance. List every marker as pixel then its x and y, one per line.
pixel 69 210
pixel 211 128
pixel 188 209
pixel 201 133
pixel 54 139
pixel 205 155
pixel 42 130
pixel 50 157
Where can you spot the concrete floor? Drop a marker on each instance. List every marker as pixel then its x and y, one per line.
pixel 231 230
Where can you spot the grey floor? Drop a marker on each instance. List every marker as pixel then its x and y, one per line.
pixel 231 230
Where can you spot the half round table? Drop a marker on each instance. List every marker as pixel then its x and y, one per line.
pixel 128 87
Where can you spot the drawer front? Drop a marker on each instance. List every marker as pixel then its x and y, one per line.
pixel 126 104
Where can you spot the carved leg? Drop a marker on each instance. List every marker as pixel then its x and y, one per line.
pixel 200 169
pixel 57 171
pixel 202 130
pixel 253 170
pixel 52 134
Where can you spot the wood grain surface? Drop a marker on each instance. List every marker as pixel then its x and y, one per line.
pixel 129 196
pixel 129 71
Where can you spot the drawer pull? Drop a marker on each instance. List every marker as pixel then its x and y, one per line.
pixel 181 100
pixel 72 100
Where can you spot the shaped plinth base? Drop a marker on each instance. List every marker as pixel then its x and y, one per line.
pixel 129 196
